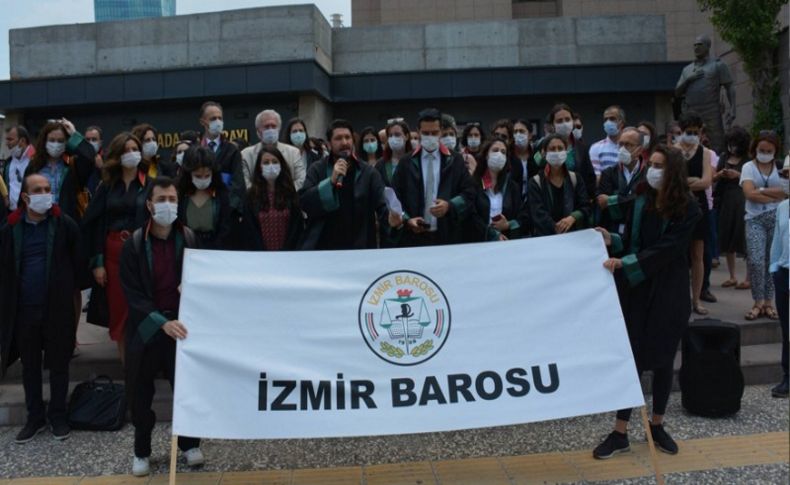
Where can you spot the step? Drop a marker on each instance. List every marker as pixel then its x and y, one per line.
pixel 760 365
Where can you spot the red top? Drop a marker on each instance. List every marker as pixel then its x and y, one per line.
pixel 274 226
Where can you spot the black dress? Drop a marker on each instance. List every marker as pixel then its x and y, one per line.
pixel 695 169
pixel 729 200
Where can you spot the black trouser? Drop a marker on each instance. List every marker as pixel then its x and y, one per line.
pixel 662 385
pixel 159 356
pixel 781 296
pixel 31 343
pixel 708 252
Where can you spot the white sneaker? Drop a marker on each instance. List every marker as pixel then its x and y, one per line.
pixel 141 467
pixel 194 457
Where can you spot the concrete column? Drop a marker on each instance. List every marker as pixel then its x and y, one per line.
pixel 316 113
pixel 663 112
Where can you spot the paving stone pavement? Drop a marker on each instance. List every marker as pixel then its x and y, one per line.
pixel 109 453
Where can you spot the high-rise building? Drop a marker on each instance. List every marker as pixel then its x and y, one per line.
pixel 108 10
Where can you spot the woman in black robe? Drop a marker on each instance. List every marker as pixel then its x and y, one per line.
pixel 650 264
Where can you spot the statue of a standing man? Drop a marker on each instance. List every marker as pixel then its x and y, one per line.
pixel 700 84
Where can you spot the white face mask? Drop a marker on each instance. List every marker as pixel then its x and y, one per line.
pixel 563 129
pixel 556 159
pixel 430 143
pixel 521 139
pixel 689 139
pixel 271 171
pixel 396 143
pixel 40 203
pixel 269 137
pixel 215 127
pixel 654 177
pixel 131 159
pixel 577 133
pixel 473 142
pixel 298 138
pixel 449 142
pixel 496 161
pixel 16 152
pixel 55 148
pixel 96 146
pixel 165 213
pixel 201 184
pixel 765 157
pixel 623 156
pixel 150 148
pixel 180 158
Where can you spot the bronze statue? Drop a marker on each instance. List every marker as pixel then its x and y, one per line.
pixel 700 85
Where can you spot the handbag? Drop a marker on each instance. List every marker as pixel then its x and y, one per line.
pixel 98 309
pixel 98 405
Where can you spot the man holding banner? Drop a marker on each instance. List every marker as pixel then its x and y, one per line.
pixel 151 278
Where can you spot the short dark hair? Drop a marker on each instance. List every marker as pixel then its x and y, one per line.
pixel 738 138
pixel 140 130
pixel 690 118
pixel 428 115
pixel 448 122
pixel 95 128
pixel 207 105
pixel 188 136
pixel 196 157
pixel 162 182
pixel 336 125
pixel 21 132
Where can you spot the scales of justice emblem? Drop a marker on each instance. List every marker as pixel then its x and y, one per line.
pixel 404 318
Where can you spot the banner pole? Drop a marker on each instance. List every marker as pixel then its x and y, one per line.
pixel 650 444
pixel 173 459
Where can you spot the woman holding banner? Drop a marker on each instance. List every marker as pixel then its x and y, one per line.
pixel 651 272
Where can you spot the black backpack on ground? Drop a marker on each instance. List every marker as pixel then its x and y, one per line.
pixel 97 405
pixel 711 380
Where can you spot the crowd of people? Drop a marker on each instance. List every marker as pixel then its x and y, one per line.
pixel 115 217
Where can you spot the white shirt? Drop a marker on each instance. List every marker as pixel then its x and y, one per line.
pixel 603 154
pixel 628 174
pixel 496 204
pixel 751 172
pixel 217 140
pixel 435 164
pixel 16 173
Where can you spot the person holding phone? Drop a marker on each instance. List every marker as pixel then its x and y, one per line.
pixel 435 188
pixel 498 199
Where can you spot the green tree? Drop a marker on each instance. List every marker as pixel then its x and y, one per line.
pixel 751 27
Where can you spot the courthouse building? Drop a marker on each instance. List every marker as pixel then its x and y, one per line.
pixel 478 60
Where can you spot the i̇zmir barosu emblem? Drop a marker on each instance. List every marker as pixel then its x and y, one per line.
pixel 404 317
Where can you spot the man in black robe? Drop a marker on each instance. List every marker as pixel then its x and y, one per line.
pixel 43 267
pixel 343 197
pixel 435 189
pixel 151 279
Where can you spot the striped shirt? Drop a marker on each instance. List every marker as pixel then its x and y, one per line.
pixel 603 154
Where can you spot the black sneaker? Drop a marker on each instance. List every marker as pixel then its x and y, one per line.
pixel 29 431
pixel 781 389
pixel 60 430
pixel 708 297
pixel 613 444
pixel 662 440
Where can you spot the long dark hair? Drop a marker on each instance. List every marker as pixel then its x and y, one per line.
pixel 468 129
pixel 286 134
pixel 196 157
pixel 482 164
pixel 361 153
pixel 407 146
pixel 284 191
pixel 672 202
pixel 40 157
pixel 111 171
pixel 738 138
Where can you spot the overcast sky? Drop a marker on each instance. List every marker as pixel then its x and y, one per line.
pixel 15 14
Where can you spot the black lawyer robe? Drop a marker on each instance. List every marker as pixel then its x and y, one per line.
pixel 326 204
pixel 66 274
pixel 575 203
pixel 653 284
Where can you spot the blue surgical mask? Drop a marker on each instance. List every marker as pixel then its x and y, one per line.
pixel 611 127
pixel 298 138
pixel 370 147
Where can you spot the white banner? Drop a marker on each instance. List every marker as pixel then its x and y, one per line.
pixel 352 343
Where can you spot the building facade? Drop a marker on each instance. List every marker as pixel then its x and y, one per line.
pixel 109 10
pixel 289 58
